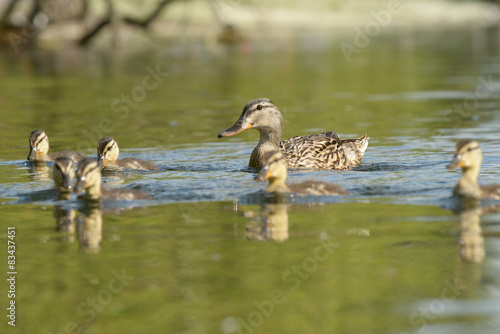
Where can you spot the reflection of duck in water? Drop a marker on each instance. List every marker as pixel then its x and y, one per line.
pixel 107 155
pixel 471 244
pixel 90 229
pixel 273 224
pixel 63 175
pixel 275 170
pixel 89 180
pixel 325 150
pixel 468 156
pixel 39 149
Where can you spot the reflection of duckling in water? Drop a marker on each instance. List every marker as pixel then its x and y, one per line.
pixel 107 155
pixel 273 224
pixel 275 170
pixel 39 149
pixel 89 179
pixel 63 175
pixel 90 230
pixel 471 240
pixel 468 156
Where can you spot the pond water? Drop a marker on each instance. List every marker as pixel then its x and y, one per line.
pixel 210 253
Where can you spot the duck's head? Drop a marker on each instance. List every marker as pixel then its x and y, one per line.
pixel 88 177
pixel 63 173
pixel 107 150
pixel 467 155
pixel 274 167
pixel 39 145
pixel 260 114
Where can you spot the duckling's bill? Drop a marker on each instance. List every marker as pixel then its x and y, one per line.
pixel 264 174
pixel 457 162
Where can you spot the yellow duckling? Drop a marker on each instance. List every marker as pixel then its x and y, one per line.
pixel 107 155
pixel 468 156
pixel 275 170
pixel 89 179
pixel 39 149
pixel 325 150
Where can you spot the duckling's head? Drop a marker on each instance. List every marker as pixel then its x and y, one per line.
pixel 107 150
pixel 63 173
pixel 467 155
pixel 274 168
pixel 88 177
pixel 39 145
pixel 260 114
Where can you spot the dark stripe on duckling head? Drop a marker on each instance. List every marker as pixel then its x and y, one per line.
pixel 86 166
pixel 463 142
pixel 37 136
pixel 102 145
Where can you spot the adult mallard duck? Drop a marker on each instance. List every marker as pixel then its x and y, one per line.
pixel 468 156
pixel 325 150
pixel 89 179
pixel 275 170
pixel 39 149
pixel 107 155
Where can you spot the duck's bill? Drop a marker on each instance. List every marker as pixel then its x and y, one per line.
pixel 235 129
pixel 457 162
pixel 101 162
pixel 32 155
pixel 66 183
pixel 264 174
pixel 80 185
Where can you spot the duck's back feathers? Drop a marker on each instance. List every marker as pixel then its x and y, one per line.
pixel 490 191
pixel 75 156
pixel 325 151
pixel 317 188
pixel 124 194
pixel 132 163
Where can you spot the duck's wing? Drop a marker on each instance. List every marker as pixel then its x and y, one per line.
pixel 317 188
pixel 490 191
pixel 325 150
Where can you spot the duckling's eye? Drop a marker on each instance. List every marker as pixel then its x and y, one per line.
pixel 259 107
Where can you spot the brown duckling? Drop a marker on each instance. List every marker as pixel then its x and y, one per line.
pixel 63 174
pixel 275 170
pixel 325 150
pixel 107 155
pixel 39 149
pixel 468 156
pixel 89 179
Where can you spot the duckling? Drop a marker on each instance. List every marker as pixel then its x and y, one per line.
pixel 89 179
pixel 468 156
pixel 275 170
pixel 63 174
pixel 325 150
pixel 39 149
pixel 107 155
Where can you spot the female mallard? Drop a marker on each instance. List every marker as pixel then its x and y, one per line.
pixel 39 149
pixel 107 155
pixel 468 156
pixel 275 170
pixel 89 179
pixel 325 150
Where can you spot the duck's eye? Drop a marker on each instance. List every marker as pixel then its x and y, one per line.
pixel 259 107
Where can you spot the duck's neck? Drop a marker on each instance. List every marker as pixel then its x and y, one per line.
pixel 94 191
pixel 277 185
pixel 467 184
pixel 269 141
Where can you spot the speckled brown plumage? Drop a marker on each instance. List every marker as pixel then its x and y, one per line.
pixel 323 151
